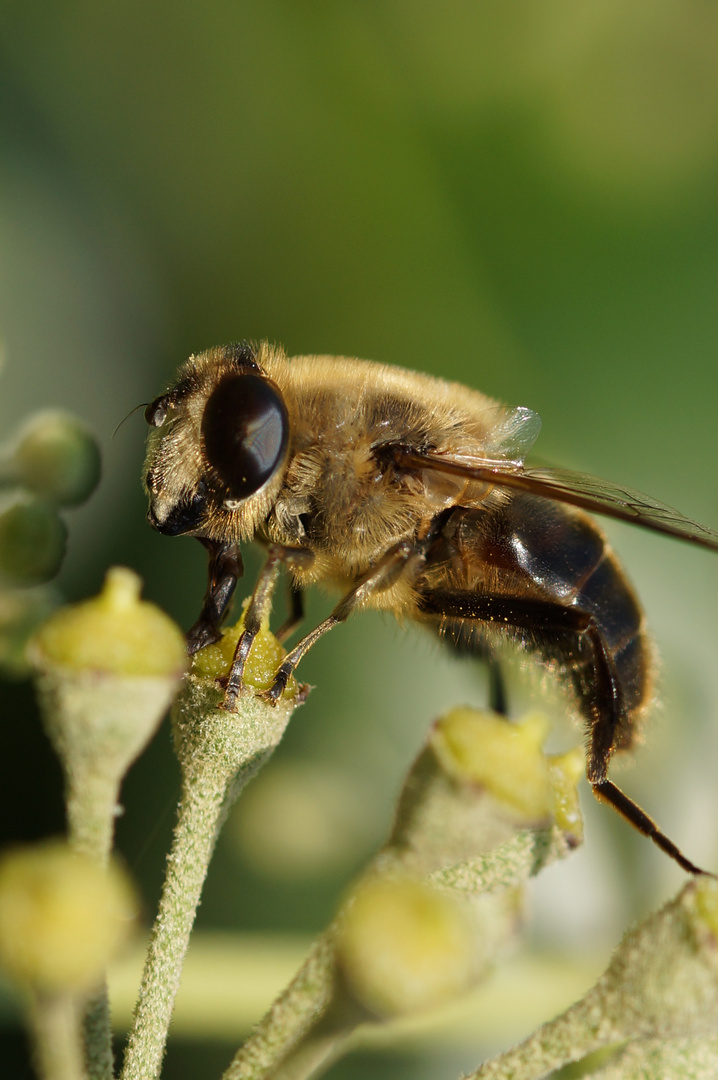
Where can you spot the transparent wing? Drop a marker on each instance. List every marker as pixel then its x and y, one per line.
pixel 576 489
pixel 513 433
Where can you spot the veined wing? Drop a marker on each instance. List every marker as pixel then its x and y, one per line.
pixel 575 488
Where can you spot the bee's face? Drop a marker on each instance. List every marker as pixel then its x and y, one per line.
pixel 217 447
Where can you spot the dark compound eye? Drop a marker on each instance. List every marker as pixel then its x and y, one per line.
pixel 156 411
pixel 244 432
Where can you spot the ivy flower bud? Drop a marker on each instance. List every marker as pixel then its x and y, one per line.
pixel 503 757
pixel 404 946
pixel 58 458
pixel 115 633
pixel 214 661
pixel 107 671
pixel 21 613
pixel 480 796
pixel 32 541
pixel 63 917
pixel 657 1000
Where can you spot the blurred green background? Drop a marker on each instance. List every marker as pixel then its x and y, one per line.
pixel 523 197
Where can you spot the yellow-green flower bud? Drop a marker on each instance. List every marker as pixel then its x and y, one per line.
pixel 706 905
pixel 566 770
pixel 32 541
pixel 503 757
pixel 108 669
pixel 63 917
pixel 404 946
pixel 58 458
pixel 265 656
pixel 21 613
pixel 115 632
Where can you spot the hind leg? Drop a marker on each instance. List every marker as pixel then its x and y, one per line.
pixel 547 625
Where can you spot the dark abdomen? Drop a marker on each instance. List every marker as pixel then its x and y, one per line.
pixel 544 572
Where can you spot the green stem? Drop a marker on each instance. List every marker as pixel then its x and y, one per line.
pixel 194 839
pixel 579 1031
pixel 322 1044
pixel 219 752
pixel 290 1017
pixel 91 798
pixel 56 1032
pixel 97 1028
pixel 91 802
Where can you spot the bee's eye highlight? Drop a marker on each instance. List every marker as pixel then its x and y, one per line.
pixel 156 411
pixel 245 428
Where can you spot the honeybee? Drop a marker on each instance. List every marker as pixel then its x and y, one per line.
pixel 407 493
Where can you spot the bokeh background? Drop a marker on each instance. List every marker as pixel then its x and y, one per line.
pixel 523 197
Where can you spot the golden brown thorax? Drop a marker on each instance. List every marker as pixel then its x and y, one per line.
pixel 333 493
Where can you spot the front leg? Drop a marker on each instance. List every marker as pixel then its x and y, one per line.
pixel 258 611
pixel 225 569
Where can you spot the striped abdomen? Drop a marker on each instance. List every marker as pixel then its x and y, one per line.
pixel 545 574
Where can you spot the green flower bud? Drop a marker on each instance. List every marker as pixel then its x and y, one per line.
pixel 63 917
pixel 265 656
pixel 505 758
pixel 566 770
pixel 107 670
pixel 659 990
pixel 32 541
pixel 115 632
pixel 404 946
pixel 483 785
pixel 58 458
pixel 22 611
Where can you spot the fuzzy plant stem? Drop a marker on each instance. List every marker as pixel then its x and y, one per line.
pixel 91 799
pixel 97 725
pixel 439 818
pixel 322 1045
pixel 194 839
pixel 219 752
pixel 292 1014
pixel 312 1019
pixel 91 802
pixel 106 671
pixel 55 1023
pixel 662 984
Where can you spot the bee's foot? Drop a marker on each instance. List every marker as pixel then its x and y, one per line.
pixel 233 689
pixel 275 691
pixel 303 692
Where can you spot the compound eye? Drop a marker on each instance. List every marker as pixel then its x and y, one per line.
pixel 245 428
pixel 156 411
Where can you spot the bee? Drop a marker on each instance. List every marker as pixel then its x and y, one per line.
pixel 407 493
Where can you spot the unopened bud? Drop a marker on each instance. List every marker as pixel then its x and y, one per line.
pixel 214 661
pixel 404 946
pixel 108 669
pixel 115 632
pixel 32 541
pixel 503 757
pixel 63 917
pixel 58 458
pixel 22 611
